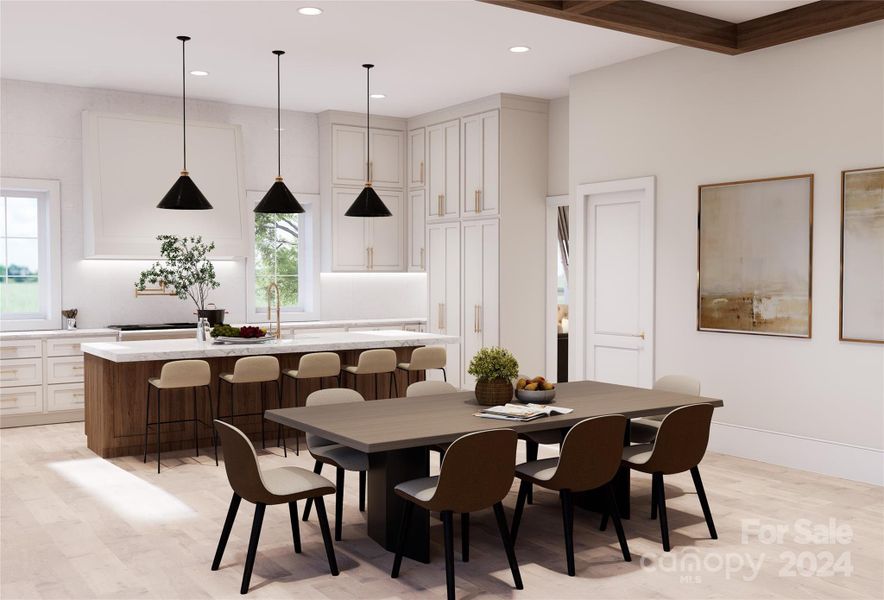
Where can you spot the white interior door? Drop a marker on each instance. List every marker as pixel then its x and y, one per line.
pixel 618 305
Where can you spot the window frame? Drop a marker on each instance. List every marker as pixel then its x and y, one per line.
pixel 308 268
pixel 48 192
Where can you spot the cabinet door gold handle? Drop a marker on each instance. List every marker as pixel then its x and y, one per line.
pixel 478 201
pixel 422 259
pixel 422 172
pixel 478 318
pixel 78 394
pixel 439 316
pixel 638 335
pixel 441 201
pixel 367 258
pixel 78 366
pixel 4 371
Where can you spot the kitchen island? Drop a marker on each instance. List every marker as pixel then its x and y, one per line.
pixel 116 375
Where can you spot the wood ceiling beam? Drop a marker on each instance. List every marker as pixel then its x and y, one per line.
pixel 659 22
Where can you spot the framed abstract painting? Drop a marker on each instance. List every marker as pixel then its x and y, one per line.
pixel 861 316
pixel 755 256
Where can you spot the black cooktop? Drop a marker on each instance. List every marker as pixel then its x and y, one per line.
pixel 144 327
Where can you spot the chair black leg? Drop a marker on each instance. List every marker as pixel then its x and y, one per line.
pixel 604 524
pixel 225 532
pixel 317 468
pixel 448 529
pixel 297 433
pixel 147 421
pixel 208 391
pixel 296 528
pixel 376 392
pixel 508 545
pixel 524 487
pixel 465 537
pixel 326 535
pixel 395 384
pixel 253 547
pixel 196 439
pixel 568 521
pixel 661 501
pixel 444 376
pixel 653 499
pixel 618 526
pixel 263 410
pixel 158 429
pixel 339 502
pixel 279 436
pixel 701 494
pixel 403 535
pixel 530 454
pixel 361 491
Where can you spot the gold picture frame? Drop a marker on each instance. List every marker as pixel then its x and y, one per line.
pixel 868 216
pixel 755 256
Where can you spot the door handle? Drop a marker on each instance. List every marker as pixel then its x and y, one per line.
pixel 637 335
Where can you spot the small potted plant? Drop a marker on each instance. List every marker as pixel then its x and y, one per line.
pixel 186 271
pixel 494 369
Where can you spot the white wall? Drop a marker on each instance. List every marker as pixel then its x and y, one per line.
pixel 42 138
pixel 691 117
pixel 557 172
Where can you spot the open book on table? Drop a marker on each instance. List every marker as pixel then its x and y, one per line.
pixel 522 412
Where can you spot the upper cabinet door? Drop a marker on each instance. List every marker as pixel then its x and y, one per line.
pixel 387 241
pixel 348 155
pixel 417 150
pixel 387 158
pixel 480 156
pixel 417 235
pixel 350 247
pixel 443 171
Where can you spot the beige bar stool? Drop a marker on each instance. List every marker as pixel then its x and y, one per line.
pixel 423 359
pixel 464 485
pixel 180 374
pixel 317 365
pixel 590 458
pixel 644 430
pixel 342 458
pixel 679 446
pixel 375 362
pixel 283 485
pixel 252 369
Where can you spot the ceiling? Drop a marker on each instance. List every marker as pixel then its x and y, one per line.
pixel 735 11
pixel 429 53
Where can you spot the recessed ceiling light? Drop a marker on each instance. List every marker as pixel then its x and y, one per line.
pixel 520 49
pixel 310 11
pixel 378 96
pixel 200 73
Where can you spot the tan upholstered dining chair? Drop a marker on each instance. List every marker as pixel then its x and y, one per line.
pixel 341 457
pixel 476 473
pixel 589 459
pixel 283 485
pixel 679 446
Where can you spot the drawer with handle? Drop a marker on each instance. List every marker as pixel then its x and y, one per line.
pixel 21 349
pixel 20 400
pixel 65 396
pixel 64 369
pixel 71 346
pixel 21 371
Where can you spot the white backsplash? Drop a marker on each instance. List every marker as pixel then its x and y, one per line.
pixel 373 295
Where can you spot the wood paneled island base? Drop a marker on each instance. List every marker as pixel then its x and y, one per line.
pixel 116 393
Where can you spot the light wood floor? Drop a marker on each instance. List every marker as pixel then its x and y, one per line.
pixel 76 526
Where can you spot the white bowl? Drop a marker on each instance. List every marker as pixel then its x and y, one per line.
pixel 536 396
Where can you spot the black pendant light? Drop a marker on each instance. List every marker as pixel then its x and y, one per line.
pixel 278 198
pixel 184 195
pixel 368 203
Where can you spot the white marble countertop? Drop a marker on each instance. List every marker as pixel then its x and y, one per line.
pixel 54 333
pixel 296 325
pixel 305 342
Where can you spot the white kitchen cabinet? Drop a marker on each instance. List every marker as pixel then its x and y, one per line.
pixel 480 156
pixel 21 400
pixel 417 233
pixel 443 245
pixel 349 162
pixel 417 151
pixel 481 283
pixel 367 244
pixel 443 171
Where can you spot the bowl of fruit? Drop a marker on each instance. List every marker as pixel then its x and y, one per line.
pixel 247 334
pixel 537 390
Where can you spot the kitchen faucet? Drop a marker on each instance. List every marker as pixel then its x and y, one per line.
pixel 270 288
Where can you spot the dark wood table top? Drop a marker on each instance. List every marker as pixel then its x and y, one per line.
pixel 397 423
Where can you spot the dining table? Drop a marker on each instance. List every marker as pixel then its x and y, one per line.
pixel 397 433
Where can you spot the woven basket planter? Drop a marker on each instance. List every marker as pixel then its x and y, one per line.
pixel 494 393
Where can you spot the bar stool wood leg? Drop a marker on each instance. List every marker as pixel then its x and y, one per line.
pixel 296 528
pixel 225 533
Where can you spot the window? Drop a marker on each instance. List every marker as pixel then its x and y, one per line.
pixel 30 278
pixel 284 252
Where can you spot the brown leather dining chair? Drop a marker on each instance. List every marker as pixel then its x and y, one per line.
pixel 643 430
pixel 476 473
pixel 679 446
pixel 589 459
pixel 283 485
pixel 342 458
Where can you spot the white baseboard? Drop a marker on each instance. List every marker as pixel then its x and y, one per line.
pixel 857 463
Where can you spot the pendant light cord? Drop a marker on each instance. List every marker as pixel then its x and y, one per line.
pixel 184 39
pixel 278 119
pixel 367 118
